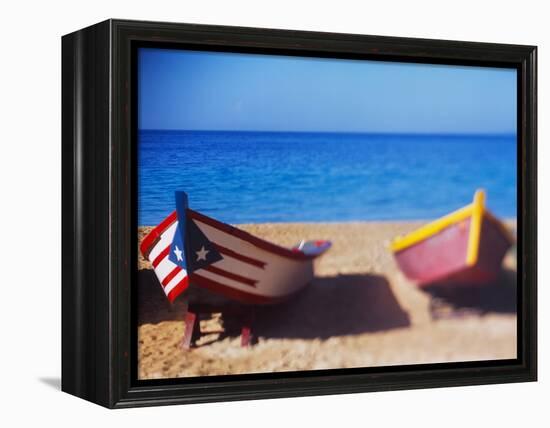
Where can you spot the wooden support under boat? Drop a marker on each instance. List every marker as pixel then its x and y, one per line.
pixel 191 325
pixel 236 319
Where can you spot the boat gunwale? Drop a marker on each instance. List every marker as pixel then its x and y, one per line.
pixel 251 239
pixel 430 229
pixel 151 238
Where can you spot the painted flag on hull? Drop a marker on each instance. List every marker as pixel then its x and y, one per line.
pixel 176 248
pixel 156 248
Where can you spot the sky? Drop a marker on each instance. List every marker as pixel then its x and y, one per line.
pixel 188 90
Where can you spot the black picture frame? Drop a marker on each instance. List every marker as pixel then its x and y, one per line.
pixel 99 244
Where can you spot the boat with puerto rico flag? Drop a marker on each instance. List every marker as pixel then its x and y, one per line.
pixel 190 249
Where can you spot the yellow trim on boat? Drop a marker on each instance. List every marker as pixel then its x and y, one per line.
pixel 418 235
pixel 478 207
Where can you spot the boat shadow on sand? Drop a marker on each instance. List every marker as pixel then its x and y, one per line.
pixel 334 306
pixel 330 306
pixel 499 296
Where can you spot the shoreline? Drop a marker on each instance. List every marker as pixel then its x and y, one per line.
pixel 359 311
pixel 510 221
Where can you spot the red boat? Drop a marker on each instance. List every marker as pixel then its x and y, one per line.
pixel 464 247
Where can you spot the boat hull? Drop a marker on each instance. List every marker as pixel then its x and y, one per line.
pixel 442 258
pixel 252 270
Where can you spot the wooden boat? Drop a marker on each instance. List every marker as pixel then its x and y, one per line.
pixel 464 247
pixel 254 270
pixel 246 269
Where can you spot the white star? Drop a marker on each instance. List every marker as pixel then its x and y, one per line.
pixel 201 254
pixel 178 252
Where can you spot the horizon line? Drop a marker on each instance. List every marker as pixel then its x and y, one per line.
pixel 444 133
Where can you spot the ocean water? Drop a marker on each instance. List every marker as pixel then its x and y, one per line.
pixel 257 177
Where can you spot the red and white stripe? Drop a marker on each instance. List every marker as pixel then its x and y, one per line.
pixel 156 248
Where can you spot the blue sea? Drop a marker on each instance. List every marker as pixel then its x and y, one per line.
pixel 258 177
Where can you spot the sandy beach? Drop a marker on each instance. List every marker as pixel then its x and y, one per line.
pixel 359 311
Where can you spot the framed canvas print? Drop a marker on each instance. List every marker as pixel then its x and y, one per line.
pixel 253 213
